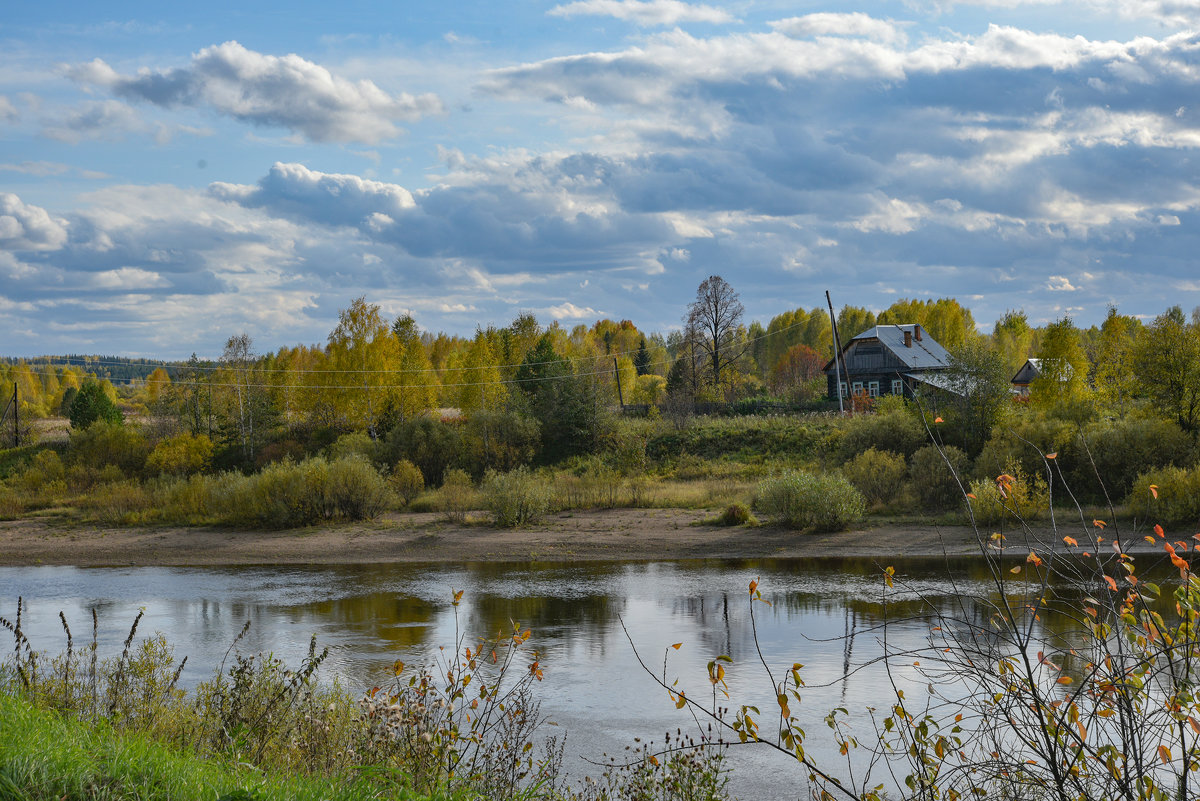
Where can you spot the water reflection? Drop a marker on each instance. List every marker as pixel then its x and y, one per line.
pixel 828 614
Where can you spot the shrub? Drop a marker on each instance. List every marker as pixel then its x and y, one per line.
pixel 1020 443
pixel 121 503
pixel 181 455
pixel 1011 496
pixel 936 484
pixel 799 499
pixel 588 484
pixel 357 444
pixel 894 428
pixel 1178 501
pixel 92 404
pixel 429 444
pixel 456 496
pixel 878 475
pixel 406 481
pixel 1121 451
pixel 105 443
pixel 498 441
pixel 354 490
pixel 736 514
pixel 516 498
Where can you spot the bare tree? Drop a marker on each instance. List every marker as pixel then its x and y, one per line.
pixel 713 320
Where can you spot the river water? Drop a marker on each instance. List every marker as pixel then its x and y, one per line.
pixel 827 614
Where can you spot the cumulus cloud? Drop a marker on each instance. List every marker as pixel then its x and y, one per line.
pixel 272 91
pixel 840 24
pixel 569 311
pixel 101 119
pixel 26 227
pixel 644 12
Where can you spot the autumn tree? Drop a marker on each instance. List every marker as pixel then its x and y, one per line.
pixel 852 321
pixel 945 319
pixel 1013 339
pixel 416 383
pixel 363 357
pixel 1167 363
pixel 1064 365
pixel 712 323
pixel 982 389
pixel 1115 378
pixel 795 371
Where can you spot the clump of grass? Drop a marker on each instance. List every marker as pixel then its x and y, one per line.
pixel 736 514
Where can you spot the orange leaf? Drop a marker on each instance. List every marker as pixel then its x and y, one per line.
pixel 1154 490
pixel 1159 530
pixel 1034 558
pixel 753 586
pixel 971 495
pixel 1052 455
pixel 1111 583
pixel 1070 541
pixel 1099 523
pixel 938 420
pixel 677 645
pixel 1164 754
pixel 1065 679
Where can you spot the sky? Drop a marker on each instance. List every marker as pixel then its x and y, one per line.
pixel 174 174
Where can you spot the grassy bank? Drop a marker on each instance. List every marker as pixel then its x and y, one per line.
pixel 44 755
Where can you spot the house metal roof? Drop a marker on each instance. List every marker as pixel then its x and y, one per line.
pixel 925 354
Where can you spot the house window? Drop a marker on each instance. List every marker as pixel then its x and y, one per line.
pixel 842 389
pixel 873 389
pixel 897 387
pixel 857 387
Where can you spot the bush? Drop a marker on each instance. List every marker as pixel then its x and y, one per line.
pixel 516 498
pixel 429 444
pixel 1121 451
pixel 498 441
pixel 1178 501
pixel 354 490
pixel 406 481
pixel 894 428
pixel 736 514
pixel 878 475
pixel 181 455
pixel 122 503
pixel 91 404
pixel 800 500
pixel 589 484
pixel 1011 496
pixel 456 496
pixel 105 443
pixel 357 444
pixel 1012 444
pixel 936 484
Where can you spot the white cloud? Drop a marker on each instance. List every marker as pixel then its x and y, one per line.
pixel 276 91
pixel 95 119
pixel 840 24
pixel 8 112
pixel 1059 283
pixel 569 311
pixel 25 227
pixel 127 279
pixel 644 12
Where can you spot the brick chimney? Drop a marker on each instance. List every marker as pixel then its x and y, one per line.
pixel 917 332
pixel 908 339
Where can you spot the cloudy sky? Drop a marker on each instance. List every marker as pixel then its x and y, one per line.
pixel 171 177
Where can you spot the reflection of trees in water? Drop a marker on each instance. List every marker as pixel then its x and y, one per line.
pixel 550 618
pixel 395 621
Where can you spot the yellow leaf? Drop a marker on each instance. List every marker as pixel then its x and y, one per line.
pixel 1164 754
pixel 1015 570
pixel 1065 679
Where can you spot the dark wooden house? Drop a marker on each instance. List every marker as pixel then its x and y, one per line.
pixel 889 360
pixel 1030 370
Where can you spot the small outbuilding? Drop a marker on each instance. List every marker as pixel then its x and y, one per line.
pixel 888 360
pixel 1030 371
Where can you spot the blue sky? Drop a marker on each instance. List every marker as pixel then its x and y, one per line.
pixel 171 175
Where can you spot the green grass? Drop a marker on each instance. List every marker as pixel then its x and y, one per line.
pixel 44 756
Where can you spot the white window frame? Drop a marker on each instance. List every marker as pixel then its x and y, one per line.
pixel 873 389
pixel 856 387
pixel 842 390
pixel 897 386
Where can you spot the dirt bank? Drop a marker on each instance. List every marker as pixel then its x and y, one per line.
pixel 632 534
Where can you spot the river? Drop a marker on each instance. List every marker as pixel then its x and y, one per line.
pixel 826 614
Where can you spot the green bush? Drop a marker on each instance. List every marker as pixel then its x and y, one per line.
pixel 498 440
pixel 429 444
pixel 357 444
pixel 1021 442
pixel 1178 501
pixel 354 490
pixel 894 428
pixel 1011 496
pixel 181 455
pixel 92 404
pixel 935 483
pixel 800 500
pixel 406 481
pixel 104 443
pixel 516 498
pixel 878 475
pixel 456 496
pixel 1120 451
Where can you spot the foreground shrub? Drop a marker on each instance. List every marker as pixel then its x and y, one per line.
pixel 799 499
pixel 878 475
pixel 736 514
pixel 181 455
pixel 894 428
pixel 1178 501
pixel 516 498
pixel 935 475
pixel 456 496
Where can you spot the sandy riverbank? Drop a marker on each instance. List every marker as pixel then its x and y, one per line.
pixel 614 534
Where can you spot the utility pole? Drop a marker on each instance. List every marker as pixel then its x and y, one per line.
pixel 617 373
pixel 16 418
pixel 837 356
